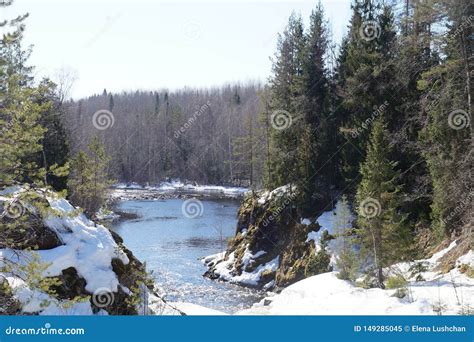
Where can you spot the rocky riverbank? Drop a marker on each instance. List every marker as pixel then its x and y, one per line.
pixel 55 261
pixel 272 247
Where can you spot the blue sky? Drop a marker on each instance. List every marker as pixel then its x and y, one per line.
pixel 144 44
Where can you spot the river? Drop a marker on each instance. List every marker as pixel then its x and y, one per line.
pixel 171 244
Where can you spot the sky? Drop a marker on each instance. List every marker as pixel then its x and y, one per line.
pixel 152 44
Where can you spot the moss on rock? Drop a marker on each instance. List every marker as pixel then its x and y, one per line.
pixel 272 226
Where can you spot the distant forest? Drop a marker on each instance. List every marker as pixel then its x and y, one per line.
pixel 207 136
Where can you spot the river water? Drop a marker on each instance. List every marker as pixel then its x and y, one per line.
pixel 171 244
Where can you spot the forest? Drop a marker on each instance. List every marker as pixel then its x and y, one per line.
pixel 396 97
pixel 381 119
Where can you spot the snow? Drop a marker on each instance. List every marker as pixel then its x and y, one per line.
pixel 430 263
pixel 253 278
pixel 248 257
pixel 196 310
pixel 86 246
pixel 213 258
pixel 11 190
pixel 435 257
pixel 306 221
pixel 224 268
pixel 266 196
pixel 178 185
pixel 467 259
pixel 328 221
pixel 36 301
pixel 128 186
pixel 325 294
pixel 315 237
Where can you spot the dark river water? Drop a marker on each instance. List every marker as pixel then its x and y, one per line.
pixel 171 242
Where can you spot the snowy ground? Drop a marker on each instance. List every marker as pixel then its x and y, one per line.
pixel 325 294
pixel 196 310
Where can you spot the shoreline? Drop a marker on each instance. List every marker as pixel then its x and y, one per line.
pixel 161 193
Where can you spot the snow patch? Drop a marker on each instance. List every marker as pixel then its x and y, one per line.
pixel 178 185
pixel 86 246
pixel 266 196
pixel 248 257
pixel 196 310
pixel 306 221
pixel 224 268
pixel 325 294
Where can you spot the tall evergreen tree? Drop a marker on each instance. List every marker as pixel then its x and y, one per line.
pixel 315 148
pixel 383 232
pixel 286 105
pixel 55 148
pixel 369 74
pixel 111 103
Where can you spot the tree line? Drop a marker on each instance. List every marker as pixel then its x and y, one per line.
pixel 200 135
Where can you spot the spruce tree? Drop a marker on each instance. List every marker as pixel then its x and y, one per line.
pixel 369 80
pixel 89 180
pixel 55 149
pixel 286 106
pixel 347 258
pixel 315 148
pixel 382 228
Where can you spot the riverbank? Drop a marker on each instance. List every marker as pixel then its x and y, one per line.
pixel 175 190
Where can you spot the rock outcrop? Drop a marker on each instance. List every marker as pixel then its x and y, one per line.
pixel 53 260
pixel 271 247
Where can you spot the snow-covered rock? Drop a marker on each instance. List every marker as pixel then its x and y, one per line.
pixel 88 259
pixel 224 267
pixel 272 247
